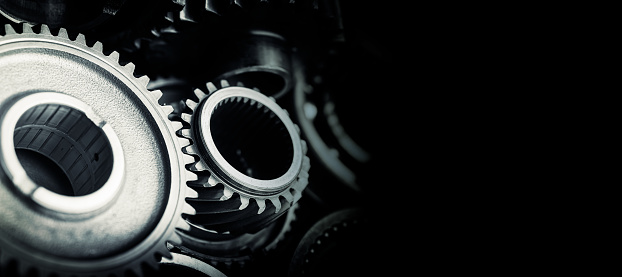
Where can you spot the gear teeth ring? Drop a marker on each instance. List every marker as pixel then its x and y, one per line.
pixel 239 189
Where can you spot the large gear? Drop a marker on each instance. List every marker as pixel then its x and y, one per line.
pixel 251 162
pixel 60 95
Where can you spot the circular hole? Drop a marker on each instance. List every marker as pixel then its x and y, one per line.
pixel 252 139
pixel 62 150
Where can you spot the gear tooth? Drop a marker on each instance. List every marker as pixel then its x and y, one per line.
pixel 98 46
pixel 63 33
pixel 303 143
pixel 129 68
pixel 190 192
pixel 114 56
pixel 174 240
pixel 188 159
pixel 183 141
pixel 239 84
pixel 200 94
pixel 245 201
pixel 306 163
pixel 256 89
pixel 194 167
pixel 189 210
pixel 143 80
pixel 186 133
pixel 81 39
pixel 262 205
pixel 226 194
pixel 277 204
pixel 272 98
pixel 186 117
pixel 185 15
pixel 183 225
pixel 26 28
pixel 168 109
pixel 211 87
pixel 191 104
pixel 8 29
pixel 177 126
pixel 45 30
pixel 157 94
pixel 190 150
pixel 296 194
pixel 288 196
pixel 224 83
pixel 212 181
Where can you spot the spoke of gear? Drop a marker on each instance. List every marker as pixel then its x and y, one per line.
pixel 124 193
pixel 251 162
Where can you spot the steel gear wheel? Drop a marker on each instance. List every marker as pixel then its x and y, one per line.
pixel 60 95
pixel 252 164
pixel 79 15
pixel 235 252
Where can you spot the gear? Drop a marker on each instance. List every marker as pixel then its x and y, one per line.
pixel 79 15
pixel 249 41
pixel 236 252
pixel 252 164
pixel 118 199
pixel 334 246
pixel 186 265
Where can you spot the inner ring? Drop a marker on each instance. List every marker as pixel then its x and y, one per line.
pixel 93 194
pixel 249 140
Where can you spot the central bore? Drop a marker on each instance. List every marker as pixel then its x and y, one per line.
pixel 252 138
pixel 61 149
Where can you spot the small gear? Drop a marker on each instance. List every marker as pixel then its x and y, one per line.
pixel 251 162
pixel 65 101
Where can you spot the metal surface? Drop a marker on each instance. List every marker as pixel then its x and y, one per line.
pixel 127 221
pixel 250 154
pixel 80 15
pixel 252 147
pixel 180 264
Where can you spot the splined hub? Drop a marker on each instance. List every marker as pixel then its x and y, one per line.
pixel 117 194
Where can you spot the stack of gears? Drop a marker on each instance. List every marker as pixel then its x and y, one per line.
pixel 192 137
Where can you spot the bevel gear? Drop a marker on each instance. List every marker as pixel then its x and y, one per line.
pixel 65 101
pixel 251 162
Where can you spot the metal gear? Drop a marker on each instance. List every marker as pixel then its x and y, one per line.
pixel 79 15
pixel 66 102
pixel 251 162
pixel 186 265
pixel 334 246
pixel 235 252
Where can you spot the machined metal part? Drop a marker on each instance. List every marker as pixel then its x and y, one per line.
pixel 336 150
pixel 65 104
pixel 334 245
pixel 260 59
pixel 252 164
pixel 79 15
pixel 236 251
pixel 180 264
